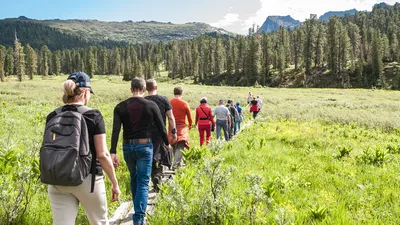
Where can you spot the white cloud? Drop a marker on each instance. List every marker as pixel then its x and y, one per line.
pixel 300 10
pixel 227 20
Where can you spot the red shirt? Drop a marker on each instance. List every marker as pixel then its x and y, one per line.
pixel 201 117
pixel 181 110
pixel 254 108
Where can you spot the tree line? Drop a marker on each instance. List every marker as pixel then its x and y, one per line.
pixel 37 35
pixel 351 51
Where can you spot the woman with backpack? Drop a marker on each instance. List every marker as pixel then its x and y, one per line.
pixel 204 121
pixel 74 171
pixel 240 119
pixel 254 108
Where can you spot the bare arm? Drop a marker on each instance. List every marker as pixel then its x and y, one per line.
pixel 171 124
pixel 189 116
pixel 104 158
pixel 171 120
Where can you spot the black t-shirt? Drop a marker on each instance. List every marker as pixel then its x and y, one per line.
pixel 95 124
pixel 163 104
pixel 136 116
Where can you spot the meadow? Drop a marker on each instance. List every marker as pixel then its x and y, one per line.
pixel 313 156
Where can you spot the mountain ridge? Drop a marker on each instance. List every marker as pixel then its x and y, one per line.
pixel 272 23
pixel 325 16
pixel 95 32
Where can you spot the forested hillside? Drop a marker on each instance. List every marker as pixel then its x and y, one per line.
pixel 132 32
pixel 362 50
pixel 38 34
pixel 68 34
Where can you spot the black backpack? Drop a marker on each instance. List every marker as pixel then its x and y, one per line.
pixel 232 111
pixel 65 156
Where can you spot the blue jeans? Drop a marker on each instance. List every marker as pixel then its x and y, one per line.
pixel 138 158
pixel 236 127
pixel 224 125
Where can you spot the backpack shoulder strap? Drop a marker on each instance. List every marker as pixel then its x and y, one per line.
pixel 58 110
pixel 204 112
pixel 83 109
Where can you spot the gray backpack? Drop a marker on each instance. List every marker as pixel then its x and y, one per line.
pixel 65 157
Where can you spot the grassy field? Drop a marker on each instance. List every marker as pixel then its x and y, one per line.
pixel 313 156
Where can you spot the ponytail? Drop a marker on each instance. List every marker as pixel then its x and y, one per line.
pixel 71 91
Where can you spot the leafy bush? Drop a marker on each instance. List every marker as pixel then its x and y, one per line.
pixel 375 157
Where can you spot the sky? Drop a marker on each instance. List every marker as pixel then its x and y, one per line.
pixel 233 15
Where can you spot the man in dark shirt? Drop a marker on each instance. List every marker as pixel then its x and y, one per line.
pixel 234 116
pixel 160 155
pixel 137 115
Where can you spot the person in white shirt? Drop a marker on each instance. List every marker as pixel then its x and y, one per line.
pixel 249 98
pixel 223 119
pixel 259 103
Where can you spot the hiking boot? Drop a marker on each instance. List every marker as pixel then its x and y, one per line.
pixel 156 184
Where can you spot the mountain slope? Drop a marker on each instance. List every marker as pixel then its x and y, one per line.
pixel 66 34
pixel 132 32
pixel 326 16
pixel 272 23
pixel 37 35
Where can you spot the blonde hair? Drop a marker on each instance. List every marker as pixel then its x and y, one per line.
pixel 72 92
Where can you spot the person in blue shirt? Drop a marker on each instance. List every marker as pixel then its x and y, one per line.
pixel 240 113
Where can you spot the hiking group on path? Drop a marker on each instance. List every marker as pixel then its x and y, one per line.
pixel 147 145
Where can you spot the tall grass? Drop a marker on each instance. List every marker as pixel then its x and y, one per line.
pixel 297 151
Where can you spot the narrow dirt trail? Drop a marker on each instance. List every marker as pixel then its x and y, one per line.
pixel 123 215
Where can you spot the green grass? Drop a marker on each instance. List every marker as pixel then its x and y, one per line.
pixel 314 156
pixel 298 162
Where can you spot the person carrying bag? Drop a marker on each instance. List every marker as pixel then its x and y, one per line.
pixel 204 121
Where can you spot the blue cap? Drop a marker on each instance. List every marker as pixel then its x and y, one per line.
pixel 81 80
pixel 237 103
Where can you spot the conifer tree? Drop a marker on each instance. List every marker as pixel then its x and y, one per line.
pixel 104 61
pixel 297 40
pixel 91 62
pixel 355 43
pixel 241 51
pixel 2 60
pixel 253 60
pixel 31 61
pixel 116 62
pixel 333 42
pixel 343 56
pixel 218 56
pixel 230 58
pixel 377 64
pixel 44 60
pixel 9 61
pixel 309 45
pixel 195 60
pixel 19 59
pixel 210 58
pixel 137 68
pixel 281 60
pixel 56 63
pixel 284 42
pixel 266 57
pixel 319 45
pixel 175 59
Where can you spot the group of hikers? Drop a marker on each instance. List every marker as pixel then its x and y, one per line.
pixel 147 145
pixel 255 104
